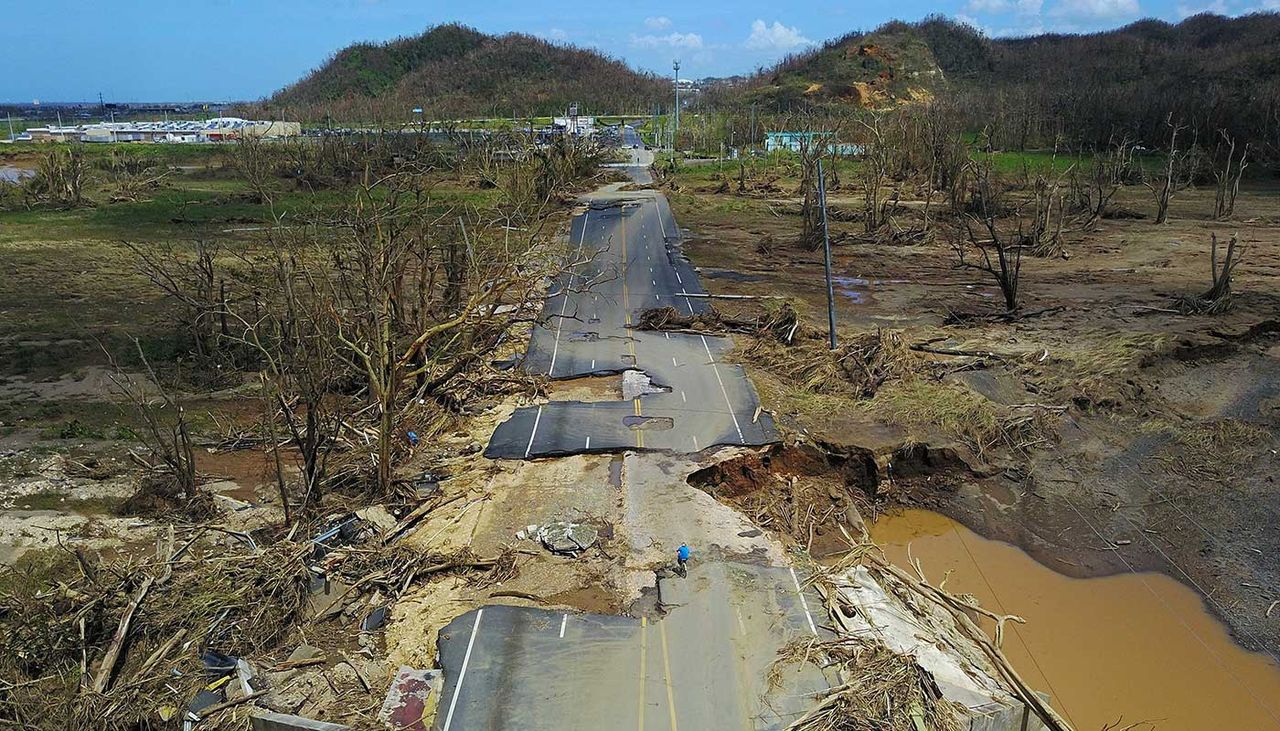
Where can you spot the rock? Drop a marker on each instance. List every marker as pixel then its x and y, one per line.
pixel 567 538
pixel 304 652
pixel 378 516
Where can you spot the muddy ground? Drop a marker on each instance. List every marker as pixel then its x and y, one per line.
pixel 1152 437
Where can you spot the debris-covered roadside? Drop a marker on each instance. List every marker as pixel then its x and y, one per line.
pixel 219 624
pixel 889 678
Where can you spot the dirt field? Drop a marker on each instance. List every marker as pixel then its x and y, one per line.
pixel 1102 432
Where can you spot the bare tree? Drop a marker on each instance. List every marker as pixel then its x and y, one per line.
pixel 195 283
pixel 1000 251
pixel 1093 189
pixel 1227 174
pixel 1217 298
pixel 1179 170
pixel 170 459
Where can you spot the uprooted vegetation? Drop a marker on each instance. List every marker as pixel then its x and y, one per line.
pixel 124 644
pixel 273 374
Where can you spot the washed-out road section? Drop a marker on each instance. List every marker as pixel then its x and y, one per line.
pixel 625 247
pixel 705 665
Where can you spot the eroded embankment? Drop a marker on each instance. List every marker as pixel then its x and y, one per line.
pixel 1125 646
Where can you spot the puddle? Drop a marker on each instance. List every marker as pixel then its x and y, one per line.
pixel 859 289
pixel 729 274
pixel 10 174
pixel 615 471
pixel 649 423
pixel 1137 646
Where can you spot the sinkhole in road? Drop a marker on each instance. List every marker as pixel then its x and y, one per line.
pixel 648 423
pixel 1136 646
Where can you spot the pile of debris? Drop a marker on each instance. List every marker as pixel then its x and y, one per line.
pixel 889 679
pixel 780 324
pixel 217 624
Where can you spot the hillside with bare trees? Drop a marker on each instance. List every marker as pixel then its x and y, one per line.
pixel 1212 73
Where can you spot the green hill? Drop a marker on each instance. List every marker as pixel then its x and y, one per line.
pixel 453 71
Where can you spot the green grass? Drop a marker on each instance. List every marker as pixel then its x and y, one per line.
pixel 65 502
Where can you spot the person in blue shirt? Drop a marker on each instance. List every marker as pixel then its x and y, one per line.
pixel 682 558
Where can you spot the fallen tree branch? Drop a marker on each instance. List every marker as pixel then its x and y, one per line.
pixel 103 681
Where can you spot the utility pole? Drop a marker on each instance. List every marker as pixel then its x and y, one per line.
pixel 676 129
pixel 10 118
pixel 826 248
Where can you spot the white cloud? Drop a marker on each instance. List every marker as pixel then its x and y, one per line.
pixel 1096 9
pixel 556 34
pixel 1186 10
pixel 776 37
pixel 672 40
pixel 660 22
pixel 1021 7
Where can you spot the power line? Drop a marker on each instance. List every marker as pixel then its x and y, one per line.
pixel 1175 615
pixel 1208 597
pixel 1016 633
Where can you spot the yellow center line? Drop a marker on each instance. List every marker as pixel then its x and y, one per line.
pixel 626 309
pixel 666 669
pixel 644 624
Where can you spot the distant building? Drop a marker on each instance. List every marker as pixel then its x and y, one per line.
pixel 799 141
pixel 219 129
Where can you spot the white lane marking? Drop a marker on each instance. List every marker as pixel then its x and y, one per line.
pixel 804 603
pixel 588 443
pixel 696 448
pixel 660 221
pixel 674 364
pixel 536 419
pixel 593 364
pixel 655 296
pixel 741 627
pixel 682 398
pixel 655 282
pixel 462 674
pixel 565 619
pixel 565 307
pixel 668 335
pixel 678 279
pixel 687 303
pixel 727 402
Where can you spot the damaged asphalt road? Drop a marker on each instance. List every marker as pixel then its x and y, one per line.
pixel 628 246
pixel 704 665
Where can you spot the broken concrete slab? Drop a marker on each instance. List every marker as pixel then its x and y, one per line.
pixel 269 721
pixel 567 538
pixel 413 693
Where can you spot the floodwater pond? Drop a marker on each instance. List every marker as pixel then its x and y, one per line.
pixel 10 174
pixel 1120 650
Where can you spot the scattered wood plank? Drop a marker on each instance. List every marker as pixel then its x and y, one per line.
pixel 103 681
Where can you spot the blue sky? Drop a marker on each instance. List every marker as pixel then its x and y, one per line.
pixel 136 50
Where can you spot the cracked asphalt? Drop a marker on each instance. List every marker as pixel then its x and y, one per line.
pixel 627 246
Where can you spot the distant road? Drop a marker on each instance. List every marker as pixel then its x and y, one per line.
pixel 588 327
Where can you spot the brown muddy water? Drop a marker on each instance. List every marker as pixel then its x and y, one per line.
pixel 1130 647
